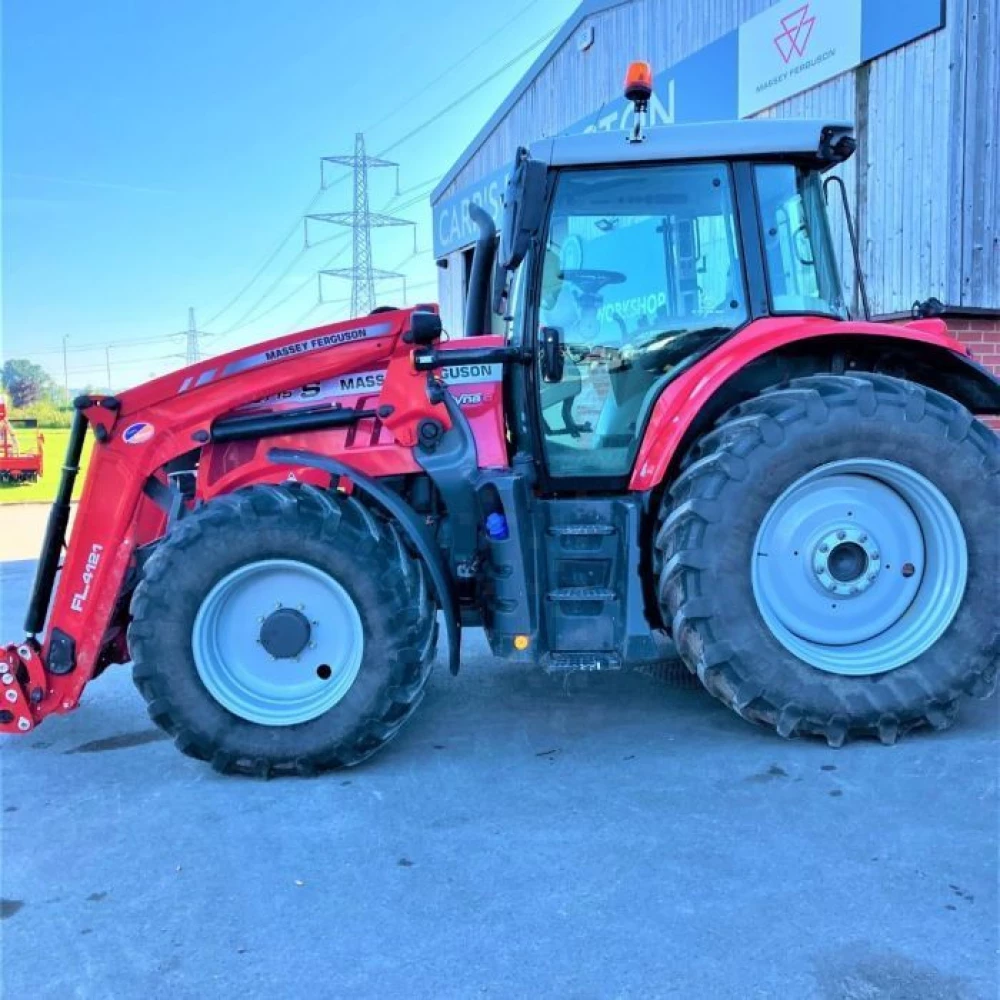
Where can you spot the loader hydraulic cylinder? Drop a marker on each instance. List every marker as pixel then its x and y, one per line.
pixel 55 531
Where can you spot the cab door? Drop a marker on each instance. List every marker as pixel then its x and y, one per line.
pixel 640 270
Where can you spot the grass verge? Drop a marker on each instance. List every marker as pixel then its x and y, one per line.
pixel 44 491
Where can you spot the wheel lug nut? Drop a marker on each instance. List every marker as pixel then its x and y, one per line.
pixel 908 570
pixel 824 547
pixel 863 538
pixel 841 535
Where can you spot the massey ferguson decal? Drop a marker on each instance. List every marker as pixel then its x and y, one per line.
pixel 353 384
pixel 470 374
pixel 87 578
pixel 370 382
pixel 307 346
pixel 796 30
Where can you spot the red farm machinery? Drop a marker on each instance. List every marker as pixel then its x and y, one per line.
pixel 18 463
pixel 685 434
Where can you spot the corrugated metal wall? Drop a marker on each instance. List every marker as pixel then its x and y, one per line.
pixel 979 272
pixel 925 182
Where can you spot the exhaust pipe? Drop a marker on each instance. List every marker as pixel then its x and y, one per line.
pixel 477 302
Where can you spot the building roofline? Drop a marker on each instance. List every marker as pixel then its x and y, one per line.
pixel 587 8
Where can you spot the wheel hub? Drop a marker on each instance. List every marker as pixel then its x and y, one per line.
pixel 301 657
pixel 859 566
pixel 846 561
pixel 285 633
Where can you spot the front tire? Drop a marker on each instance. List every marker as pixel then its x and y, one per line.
pixel 838 638
pixel 282 630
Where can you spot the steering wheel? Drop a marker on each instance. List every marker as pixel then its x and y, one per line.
pixel 590 281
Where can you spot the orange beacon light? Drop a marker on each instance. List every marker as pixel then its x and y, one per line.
pixel 639 83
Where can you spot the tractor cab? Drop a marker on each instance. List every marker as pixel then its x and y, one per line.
pixel 621 263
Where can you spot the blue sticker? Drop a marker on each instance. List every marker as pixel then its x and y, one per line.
pixel 138 433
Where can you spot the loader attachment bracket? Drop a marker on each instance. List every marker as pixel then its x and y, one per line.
pixel 408 523
pixel 22 680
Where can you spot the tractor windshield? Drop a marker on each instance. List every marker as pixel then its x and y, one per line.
pixel 641 270
pixel 637 255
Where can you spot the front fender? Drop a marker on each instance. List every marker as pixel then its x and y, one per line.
pixel 406 519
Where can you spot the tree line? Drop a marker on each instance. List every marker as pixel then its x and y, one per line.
pixel 34 393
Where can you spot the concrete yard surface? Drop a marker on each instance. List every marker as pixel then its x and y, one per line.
pixel 587 836
pixel 22 529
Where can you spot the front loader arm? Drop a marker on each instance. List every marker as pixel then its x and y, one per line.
pixel 137 434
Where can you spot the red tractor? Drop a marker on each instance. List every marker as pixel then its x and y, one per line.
pixel 683 433
pixel 16 464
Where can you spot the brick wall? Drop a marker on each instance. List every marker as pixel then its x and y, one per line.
pixel 982 336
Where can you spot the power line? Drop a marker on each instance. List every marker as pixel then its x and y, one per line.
pixel 464 59
pixel 272 256
pixel 409 135
pixel 361 220
pixel 100 345
pixel 472 90
pixel 269 259
pixel 244 322
pixel 193 351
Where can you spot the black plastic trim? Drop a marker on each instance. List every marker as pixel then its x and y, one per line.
pixel 750 241
pixel 274 424
pixel 168 498
pixel 62 653
pixel 451 464
pixel 406 520
pixel 425 361
pixel 981 378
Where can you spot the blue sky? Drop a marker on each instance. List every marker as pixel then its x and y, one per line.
pixel 154 155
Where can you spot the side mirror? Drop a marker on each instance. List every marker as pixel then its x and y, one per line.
pixel 523 208
pixel 553 362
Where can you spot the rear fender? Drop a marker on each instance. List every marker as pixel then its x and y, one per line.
pixel 772 350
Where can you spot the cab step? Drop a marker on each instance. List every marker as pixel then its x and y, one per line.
pixel 577 530
pixel 564 594
pixel 564 663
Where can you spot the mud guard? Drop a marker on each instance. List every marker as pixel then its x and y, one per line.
pixel 407 521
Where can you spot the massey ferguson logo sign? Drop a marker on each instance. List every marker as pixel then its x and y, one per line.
pixel 796 29
pixel 795 46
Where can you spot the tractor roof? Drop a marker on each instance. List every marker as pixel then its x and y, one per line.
pixel 785 138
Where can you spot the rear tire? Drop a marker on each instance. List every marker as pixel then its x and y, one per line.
pixel 708 552
pixel 329 536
